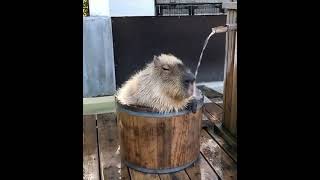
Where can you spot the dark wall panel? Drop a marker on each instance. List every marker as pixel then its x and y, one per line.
pixel 137 39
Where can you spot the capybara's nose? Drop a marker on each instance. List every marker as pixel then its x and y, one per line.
pixel 189 78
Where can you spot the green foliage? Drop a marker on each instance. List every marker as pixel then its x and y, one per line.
pixel 85 7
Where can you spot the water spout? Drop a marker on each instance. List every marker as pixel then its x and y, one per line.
pixel 219 29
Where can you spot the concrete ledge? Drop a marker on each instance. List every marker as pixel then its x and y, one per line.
pixel 106 104
pixel 98 105
pixel 229 5
pixel 215 85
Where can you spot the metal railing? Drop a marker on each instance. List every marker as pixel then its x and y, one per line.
pixel 188 9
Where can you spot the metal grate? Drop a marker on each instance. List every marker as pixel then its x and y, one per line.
pixel 183 8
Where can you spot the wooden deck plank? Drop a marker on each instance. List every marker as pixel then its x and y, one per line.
pixel 230 150
pixel 218 158
pixel 222 164
pixel 181 175
pixel 221 131
pixel 201 170
pixel 136 175
pixel 90 149
pixel 205 121
pixel 210 93
pixel 214 113
pixel 218 101
pixel 109 148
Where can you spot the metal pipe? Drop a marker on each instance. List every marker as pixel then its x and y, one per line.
pixel 223 29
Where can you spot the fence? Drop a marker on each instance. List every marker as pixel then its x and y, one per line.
pixel 188 9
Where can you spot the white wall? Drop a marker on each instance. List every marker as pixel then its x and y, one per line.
pixel 99 8
pixel 132 8
pixel 118 8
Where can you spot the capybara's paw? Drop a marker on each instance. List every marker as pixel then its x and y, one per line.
pixel 192 106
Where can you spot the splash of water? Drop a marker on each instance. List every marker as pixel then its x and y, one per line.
pixel 199 61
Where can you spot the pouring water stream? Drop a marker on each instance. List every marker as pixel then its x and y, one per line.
pixel 199 61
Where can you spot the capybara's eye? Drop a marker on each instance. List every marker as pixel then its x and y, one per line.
pixel 165 68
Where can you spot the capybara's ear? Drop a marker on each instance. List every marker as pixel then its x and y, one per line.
pixel 156 61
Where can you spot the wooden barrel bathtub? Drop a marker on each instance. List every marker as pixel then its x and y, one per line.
pixel 153 142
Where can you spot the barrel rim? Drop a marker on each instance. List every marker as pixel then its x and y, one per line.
pixel 148 112
pixel 160 171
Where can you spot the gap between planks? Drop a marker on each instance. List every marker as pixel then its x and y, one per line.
pixel 90 149
pixel 217 158
pixel 230 150
pixel 109 147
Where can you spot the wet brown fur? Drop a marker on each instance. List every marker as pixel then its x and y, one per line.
pixel 155 87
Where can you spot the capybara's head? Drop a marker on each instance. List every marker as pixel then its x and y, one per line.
pixel 177 80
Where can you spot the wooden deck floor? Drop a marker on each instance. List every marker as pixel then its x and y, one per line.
pixel 101 151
